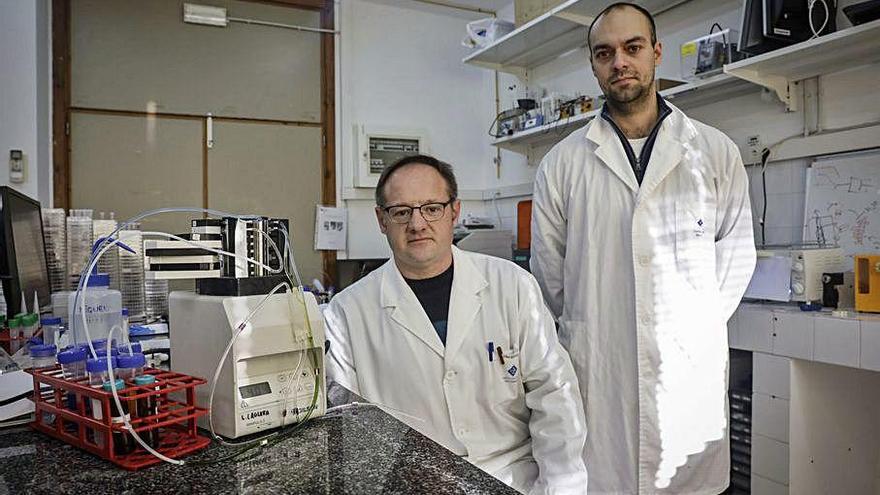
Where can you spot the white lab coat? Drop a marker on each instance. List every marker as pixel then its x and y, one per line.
pixel 525 426
pixel 642 281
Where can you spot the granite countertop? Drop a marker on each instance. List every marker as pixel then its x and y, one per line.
pixel 357 449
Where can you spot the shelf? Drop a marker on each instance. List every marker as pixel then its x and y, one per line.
pixel 711 89
pixel 551 133
pixel 781 69
pixel 714 88
pixel 544 38
pixel 777 70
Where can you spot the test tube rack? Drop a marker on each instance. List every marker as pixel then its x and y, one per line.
pixel 175 421
pixel 6 340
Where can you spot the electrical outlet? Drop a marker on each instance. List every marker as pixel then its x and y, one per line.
pixel 755 148
pixel 16 166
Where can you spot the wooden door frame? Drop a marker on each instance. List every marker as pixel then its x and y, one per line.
pixel 61 66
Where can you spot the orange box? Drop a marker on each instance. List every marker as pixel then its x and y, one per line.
pixel 867 282
pixel 524 224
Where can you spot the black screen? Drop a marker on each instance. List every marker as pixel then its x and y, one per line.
pixel 25 270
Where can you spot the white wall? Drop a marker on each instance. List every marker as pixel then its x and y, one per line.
pixel 400 67
pixel 845 98
pixel 25 93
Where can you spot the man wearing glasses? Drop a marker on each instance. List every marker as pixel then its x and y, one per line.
pixel 458 345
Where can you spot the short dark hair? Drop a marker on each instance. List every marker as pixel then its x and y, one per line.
pixel 443 168
pixel 618 6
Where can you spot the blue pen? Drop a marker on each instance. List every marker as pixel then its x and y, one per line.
pixel 491 347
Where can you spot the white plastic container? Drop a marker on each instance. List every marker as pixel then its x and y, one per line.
pixel 103 309
pixel 59 306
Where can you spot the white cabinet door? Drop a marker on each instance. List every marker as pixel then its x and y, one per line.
pixel 771 375
pixel 770 416
pixel 754 329
pixel 870 345
pixel 836 341
pixel 770 458
pixel 763 486
pixel 793 334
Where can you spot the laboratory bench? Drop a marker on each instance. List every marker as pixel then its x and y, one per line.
pixel 815 398
pixel 358 449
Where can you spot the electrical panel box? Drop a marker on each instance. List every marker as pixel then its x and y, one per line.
pixel 379 148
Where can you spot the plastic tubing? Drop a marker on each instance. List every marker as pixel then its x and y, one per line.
pixel 238 331
pixel 125 417
pixel 109 244
pixel 83 276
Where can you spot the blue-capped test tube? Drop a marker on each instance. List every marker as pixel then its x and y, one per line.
pixel 130 365
pixel 98 374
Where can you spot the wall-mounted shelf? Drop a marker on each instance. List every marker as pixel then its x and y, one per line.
pixel 544 38
pixel 711 89
pixel 546 134
pixel 781 70
pixel 717 87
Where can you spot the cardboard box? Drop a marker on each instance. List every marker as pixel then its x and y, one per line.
pixel 663 84
pixel 526 10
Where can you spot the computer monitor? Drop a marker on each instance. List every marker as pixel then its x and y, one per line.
pixel 22 251
pixel 768 25
pixel 751 34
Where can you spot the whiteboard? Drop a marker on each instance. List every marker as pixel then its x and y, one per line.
pixel 842 203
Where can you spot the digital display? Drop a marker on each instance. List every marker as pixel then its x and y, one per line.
pixel 255 390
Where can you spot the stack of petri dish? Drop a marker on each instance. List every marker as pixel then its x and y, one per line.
pixel 131 272
pixel 109 262
pixel 55 236
pixel 79 244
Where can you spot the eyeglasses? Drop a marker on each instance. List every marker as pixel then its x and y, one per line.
pixel 431 212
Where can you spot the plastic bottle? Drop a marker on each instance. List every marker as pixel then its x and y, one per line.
pixel 43 356
pixel 51 329
pixel 73 367
pixel 148 406
pixel 135 348
pixel 14 335
pixel 59 306
pixel 29 325
pixel 102 354
pixel 103 309
pixel 98 374
pixel 130 365
pixel 121 441
pixel 73 363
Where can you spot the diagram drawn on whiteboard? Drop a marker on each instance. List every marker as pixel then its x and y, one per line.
pixel 843 202
pixel 829 176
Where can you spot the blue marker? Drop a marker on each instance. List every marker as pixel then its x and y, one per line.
pixel 491 347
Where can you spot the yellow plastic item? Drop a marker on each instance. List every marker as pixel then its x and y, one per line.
pixel 867 268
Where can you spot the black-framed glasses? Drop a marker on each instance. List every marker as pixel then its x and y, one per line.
pixel 431 212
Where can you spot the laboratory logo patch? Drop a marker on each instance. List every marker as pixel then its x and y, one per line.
pixel 699 229
pixel 512 371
